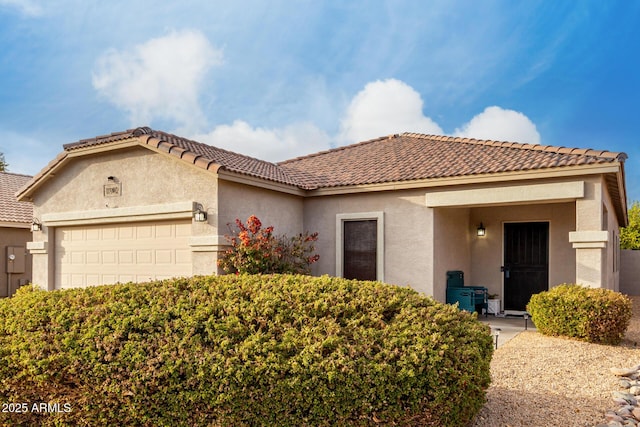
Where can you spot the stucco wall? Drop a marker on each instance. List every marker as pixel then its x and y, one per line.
pixel 611 254
pixel 451 247
pixel 147 178
pixel 282 211
pixel 589 260
pixel 630 272
pixel 408 233
pixel 13 237
pixel 487 253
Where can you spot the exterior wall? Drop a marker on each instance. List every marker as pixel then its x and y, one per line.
pixel 408 233
pixel 487 253
pixel 283 211
pixel 148 180
pixel 611 254
pixel 593 242
pixel 451 247
pixel 13 237
pixel 630 272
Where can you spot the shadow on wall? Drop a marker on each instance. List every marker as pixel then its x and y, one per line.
pixel 630 272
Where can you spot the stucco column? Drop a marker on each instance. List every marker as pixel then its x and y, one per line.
pixel 590 247
pixel 589 240
pixel 41 253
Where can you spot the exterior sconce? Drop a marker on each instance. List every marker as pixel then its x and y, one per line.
pixel 35 225
pixel 481 232
pixel 199 215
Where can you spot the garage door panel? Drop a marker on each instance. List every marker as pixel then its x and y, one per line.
pixel 108 278
pixel 108 233
pixel 108 257
pixel 125 257
pixel 93 257
pixel 164 231
pixel 113 253
pixel 164 257
pixel 144 232
pixel 126 233
pixel 78 257
pixel 144 257
pixel 93 234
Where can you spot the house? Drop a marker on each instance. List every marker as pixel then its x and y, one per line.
pixel 15 232
pixel 403 209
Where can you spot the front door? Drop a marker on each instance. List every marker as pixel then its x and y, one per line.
pixel 526 263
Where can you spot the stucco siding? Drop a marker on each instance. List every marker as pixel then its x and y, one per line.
pixel 630 272
pixel 408 233
pixel 611 254
pixel 594 255
pixel 451 247
pixel 14 237
pixel 487 253
pixel 148 181
pixel 238 201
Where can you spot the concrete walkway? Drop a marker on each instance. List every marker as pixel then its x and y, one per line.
pixel 505 328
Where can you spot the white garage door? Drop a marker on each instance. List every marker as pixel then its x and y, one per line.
pixel 132 252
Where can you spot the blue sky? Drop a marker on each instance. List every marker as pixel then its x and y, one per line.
pixel 279 79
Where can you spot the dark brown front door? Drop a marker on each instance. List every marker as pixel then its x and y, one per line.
pixel 526 262
pixel 360 244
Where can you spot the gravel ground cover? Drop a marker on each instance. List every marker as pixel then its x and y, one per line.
pixel 545 381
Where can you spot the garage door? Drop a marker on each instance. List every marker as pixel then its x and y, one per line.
pixel 133 252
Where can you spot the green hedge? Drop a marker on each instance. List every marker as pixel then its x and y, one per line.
pixel 589 314
pixel 277 350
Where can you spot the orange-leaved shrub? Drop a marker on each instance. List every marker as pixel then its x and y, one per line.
pixel 256 250
pixel 242 350
pixel 589 314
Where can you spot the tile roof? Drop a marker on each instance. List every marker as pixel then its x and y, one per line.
pixel 203 155
pixel 393 158
pixel 11 210
pixel 413 156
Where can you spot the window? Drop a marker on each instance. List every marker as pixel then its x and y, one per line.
pixel 360 246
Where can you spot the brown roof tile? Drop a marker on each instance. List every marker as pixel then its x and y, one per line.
pixel 413 156
pixel 11 210
pixel 200 154
pixel 393 158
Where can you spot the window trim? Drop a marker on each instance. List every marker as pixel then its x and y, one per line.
pixel 360 216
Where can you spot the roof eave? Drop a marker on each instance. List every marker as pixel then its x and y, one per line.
pixel 557 172
pixel 255 181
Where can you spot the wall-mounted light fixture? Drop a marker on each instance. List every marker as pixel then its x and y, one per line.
pixel 481 231
pixel 35 225
pixel 199 215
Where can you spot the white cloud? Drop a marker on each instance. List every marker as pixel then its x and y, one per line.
pixel 501 125
pixel 385 107
pixel 159 79
pixel 267 144
pixel 381 108
pixel 27 7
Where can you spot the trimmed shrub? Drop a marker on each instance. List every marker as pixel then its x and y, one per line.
pixel 588 314
pixel 247 350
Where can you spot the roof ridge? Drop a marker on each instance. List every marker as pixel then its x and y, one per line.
pixel 523 146
pixel 341 148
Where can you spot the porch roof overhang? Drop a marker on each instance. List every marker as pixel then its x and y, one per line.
pixel 507 195
pixel 510 191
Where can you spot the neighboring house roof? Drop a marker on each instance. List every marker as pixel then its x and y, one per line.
pixel 396 158
pixel 11 210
